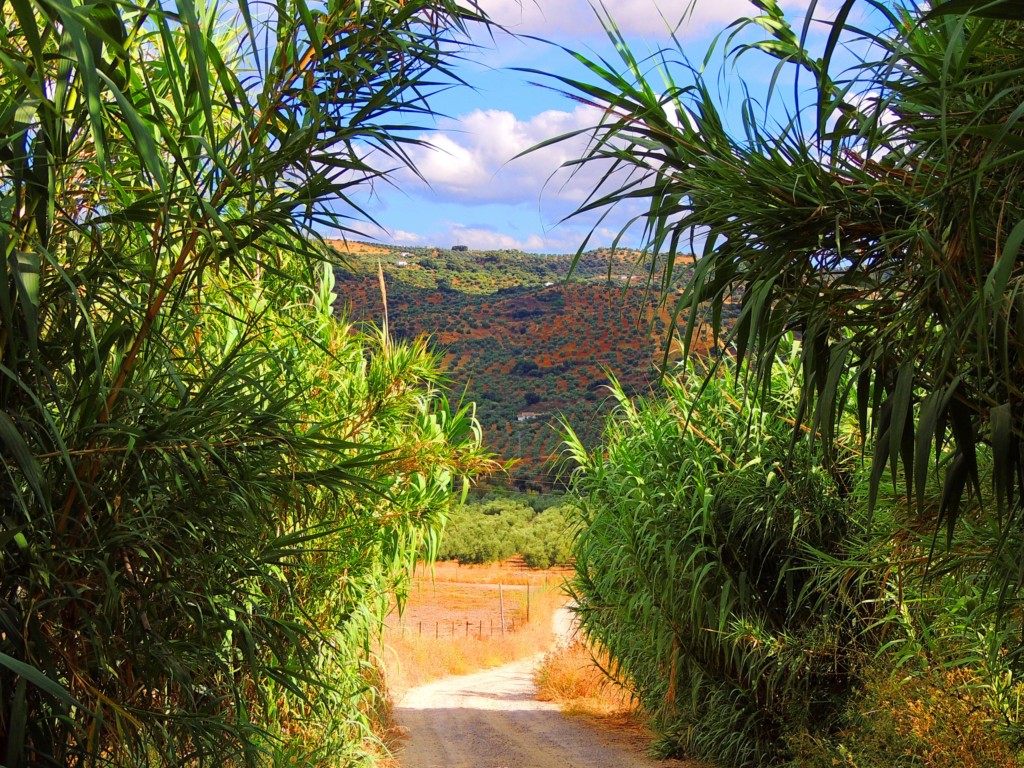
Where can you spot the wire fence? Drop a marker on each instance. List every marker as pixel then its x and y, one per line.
pixel 477 628
pixel 509 619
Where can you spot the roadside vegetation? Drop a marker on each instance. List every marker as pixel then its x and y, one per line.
pixel 579 681
pixel 763 613
pixel 210 487
pixel 808 552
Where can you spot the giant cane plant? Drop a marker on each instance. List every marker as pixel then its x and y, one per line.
pixel 208 486
pixel 868 198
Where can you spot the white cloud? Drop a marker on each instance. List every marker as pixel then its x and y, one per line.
pixel 576 18
pixel 487 239
pixel 474 160
pixel 471 163
pixel 401 237
pixel 565 238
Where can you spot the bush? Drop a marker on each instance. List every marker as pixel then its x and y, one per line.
pixel 763 616
pixel 498 528
pixel 209 486
pixel 701 539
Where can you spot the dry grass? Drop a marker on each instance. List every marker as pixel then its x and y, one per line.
pixel 451 624
pixel 356 247
pixel 936 719
pixel 507 572
pixel 572 677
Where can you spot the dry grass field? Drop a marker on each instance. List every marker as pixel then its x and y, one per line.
pixel 573 677
pixel 356 247
pixel 451 623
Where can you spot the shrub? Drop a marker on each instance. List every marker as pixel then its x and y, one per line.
pixel 697 549
pixel 498 528
pixel 545 542
pixel 208 485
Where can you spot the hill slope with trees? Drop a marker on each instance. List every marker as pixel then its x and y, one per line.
pixel 527 345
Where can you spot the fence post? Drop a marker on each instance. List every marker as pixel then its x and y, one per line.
pixel 527 603
pixel 501 609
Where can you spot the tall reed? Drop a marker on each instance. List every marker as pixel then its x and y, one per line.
pixel 209 486
pixel 698 545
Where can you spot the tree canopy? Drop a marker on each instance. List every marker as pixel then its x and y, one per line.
pixel 881 218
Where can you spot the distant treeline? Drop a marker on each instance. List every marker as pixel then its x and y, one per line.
pixel 497 527
pixel 528 347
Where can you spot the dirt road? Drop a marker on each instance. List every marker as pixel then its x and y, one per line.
pixel 492 720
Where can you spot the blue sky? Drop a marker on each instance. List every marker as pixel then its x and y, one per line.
pixel 475 193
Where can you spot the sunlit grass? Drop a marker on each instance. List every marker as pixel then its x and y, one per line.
pixel 429 639
pixel 574 677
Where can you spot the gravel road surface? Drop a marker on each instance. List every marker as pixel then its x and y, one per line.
pixel 492 720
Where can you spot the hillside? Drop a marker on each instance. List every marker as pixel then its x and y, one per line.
pixel 528 347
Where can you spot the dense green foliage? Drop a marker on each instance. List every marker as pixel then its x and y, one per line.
pixel 209 487
pixel 497 528
pixel 882 220
pixel 759 612
pixel 699 535
pixel 789 591
pixel 518 340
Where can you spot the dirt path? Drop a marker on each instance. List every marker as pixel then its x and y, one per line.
pixel 492 720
